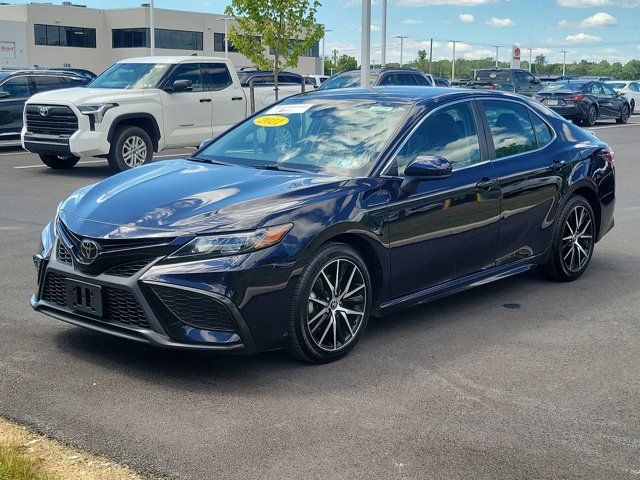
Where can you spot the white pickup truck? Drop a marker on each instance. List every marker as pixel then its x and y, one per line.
pixel 140 106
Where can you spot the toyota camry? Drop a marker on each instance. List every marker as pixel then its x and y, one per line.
pixel 294 227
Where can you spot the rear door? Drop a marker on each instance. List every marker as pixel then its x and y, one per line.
pixel 187 115
pixel 229 104
pixel 18 88
pixel 530 173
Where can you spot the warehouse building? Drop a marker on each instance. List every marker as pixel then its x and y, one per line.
pixel 71 35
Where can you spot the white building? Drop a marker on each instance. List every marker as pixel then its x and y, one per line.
pixel 71 35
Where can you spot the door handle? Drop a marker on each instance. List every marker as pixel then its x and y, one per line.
pixel 235 99
pixel 486 183
pixel 558 165
pixel 204 100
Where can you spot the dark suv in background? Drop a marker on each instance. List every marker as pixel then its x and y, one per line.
pixel 378 77
pixel 18 85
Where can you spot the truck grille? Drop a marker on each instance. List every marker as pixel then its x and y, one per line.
pixel 59 120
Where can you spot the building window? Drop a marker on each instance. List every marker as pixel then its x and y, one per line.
pixel 63 36
pixel 312 51
pixel 218 43
pixel 168 39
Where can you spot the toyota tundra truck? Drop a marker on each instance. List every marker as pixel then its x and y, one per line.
pixel 137 107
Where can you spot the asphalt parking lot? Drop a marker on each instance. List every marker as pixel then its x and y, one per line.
pixel 519 379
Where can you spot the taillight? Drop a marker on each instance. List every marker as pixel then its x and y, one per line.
pixel 492 87
pixel 609 156
pixel 537 97
pixel 577 98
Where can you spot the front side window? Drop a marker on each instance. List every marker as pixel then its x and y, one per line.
pixel 188 71
pixel 608 90
pixel 511 127
pixel 45 84
pixel 17 87
pixel 596 89
pixel 422 81
pixel 449 132
pixel 131 76
pixel 332 136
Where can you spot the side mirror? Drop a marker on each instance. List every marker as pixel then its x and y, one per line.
pixel 4 94
pixel 182 86
pixel 424 167
pixel 204 142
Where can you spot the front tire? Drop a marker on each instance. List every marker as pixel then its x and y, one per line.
pixel 573 241
pixel 59 163
pixel 130 148
pixel 624 115
pixel 331 306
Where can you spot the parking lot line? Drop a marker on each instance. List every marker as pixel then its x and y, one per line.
pixel 175 155
pixel 44 166
pixel 15 153
pixel 615 126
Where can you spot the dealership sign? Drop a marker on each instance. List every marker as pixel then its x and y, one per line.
pixel 7 50
pixel 515 57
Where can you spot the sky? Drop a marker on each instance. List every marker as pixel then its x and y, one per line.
pixel 586 29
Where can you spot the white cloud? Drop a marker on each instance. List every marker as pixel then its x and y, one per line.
pixel 598 20
pixel 412 21
pixel 583 3
pixel 582 38
pixel 466 18
pixel 563 23
pixel 457 3
pixel 500 22
pixel 375 28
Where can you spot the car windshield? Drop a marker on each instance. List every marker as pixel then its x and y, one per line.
pixel 617 84
pixel 346 80
pixel 564 86
pixel 332 136
pixel 131 75
pixel 502 76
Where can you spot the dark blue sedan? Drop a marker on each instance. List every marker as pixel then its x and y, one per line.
pixel 293 228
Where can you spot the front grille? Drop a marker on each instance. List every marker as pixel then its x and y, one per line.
pixel 118 305
pixel 121 306
pixel 60 120
pixel 54 290
pixel 128 269
pixel 199 311
pixel 63 253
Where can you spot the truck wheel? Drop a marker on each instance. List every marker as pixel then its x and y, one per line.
pixel 53 161
pixel 131 147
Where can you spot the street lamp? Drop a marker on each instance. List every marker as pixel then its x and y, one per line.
pixel 383 59
pixel 401 37
pixel 365 54
pixel 323 37
pixel 152 28
pixel 226 35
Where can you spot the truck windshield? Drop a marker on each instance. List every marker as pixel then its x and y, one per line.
pixel 334 136
pixel 131 75
pixel 491 76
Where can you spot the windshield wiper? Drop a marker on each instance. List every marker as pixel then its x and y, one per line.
pixel 206 160
pixel 278 168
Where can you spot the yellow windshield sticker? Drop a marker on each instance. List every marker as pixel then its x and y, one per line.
pixel 271 121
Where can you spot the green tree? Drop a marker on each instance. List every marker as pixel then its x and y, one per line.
pixel 422 60
pixel 346 62
pixel 273 34
pixel 540 63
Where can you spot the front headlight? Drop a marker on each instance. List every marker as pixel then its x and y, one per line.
pixel 97 111
pixel 233 243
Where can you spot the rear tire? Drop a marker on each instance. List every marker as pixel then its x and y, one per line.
pixel 633 106
pixel 131 147
pixel 625 113
pixel 573 241
pixel 592 116
pixel 331 305
pixel 59 163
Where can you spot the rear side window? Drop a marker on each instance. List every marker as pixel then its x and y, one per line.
pixel 596 89
pixel 218 75
pixel 17 87
pixel 511 127
pixel 450 133
pixel 542 130
pixel 44 84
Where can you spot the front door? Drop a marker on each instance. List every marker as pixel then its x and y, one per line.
pixel 187 114
pixel 16 91
pixel 449 227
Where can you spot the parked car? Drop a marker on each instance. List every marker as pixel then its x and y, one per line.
pixel 265 77
pixel 506 79
pixel 372 200
pixel 595 78
pixel 556 78
pixel 379 77
pixel 441 82
pixel 586 101
pixel 140 106
pixel 80 72
pixel 316 80
pixel 629 89
pixel 16 86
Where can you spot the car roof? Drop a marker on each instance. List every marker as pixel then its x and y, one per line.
pixel 40 71
pixel 408 94
pixel 172 59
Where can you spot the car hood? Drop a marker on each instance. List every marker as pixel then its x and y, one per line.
pixel 179 197
pixel 84 95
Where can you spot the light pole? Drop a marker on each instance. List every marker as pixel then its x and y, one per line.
pixel 453 63
pixel 530 58
pixel 401 37
pixel 365 54
pixel 152 28
pixel 564 62
pixel 497 50
pixel 383 60
pixel 226 35
pixel 324 35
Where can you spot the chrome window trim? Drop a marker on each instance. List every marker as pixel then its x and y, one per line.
pixel 384 171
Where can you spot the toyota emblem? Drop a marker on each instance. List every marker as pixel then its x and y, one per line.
pixel 89 249
pixel 44 111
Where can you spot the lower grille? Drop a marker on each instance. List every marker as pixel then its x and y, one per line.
pixel 118 305
pixel 199 311
pixel 63 253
